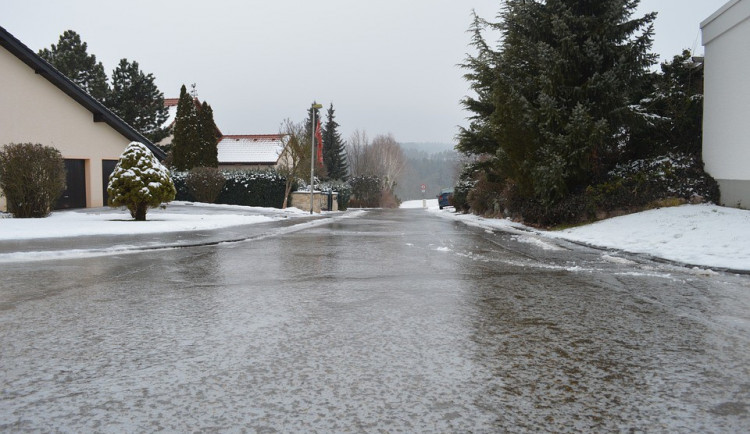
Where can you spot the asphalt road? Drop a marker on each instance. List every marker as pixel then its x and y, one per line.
pixel 385 322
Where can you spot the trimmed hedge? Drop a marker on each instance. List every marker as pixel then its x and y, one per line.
pixel 242 187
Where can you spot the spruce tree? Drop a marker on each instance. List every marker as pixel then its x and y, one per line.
pixel 334 148
pixel 671 111
pixel 553 106
pixel 70 57
pixel 136 99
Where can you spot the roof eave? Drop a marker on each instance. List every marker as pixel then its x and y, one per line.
pixel 99 112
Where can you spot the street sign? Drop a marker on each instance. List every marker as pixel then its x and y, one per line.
pixel 423 187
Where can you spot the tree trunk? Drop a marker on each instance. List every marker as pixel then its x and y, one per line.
pixel 140 212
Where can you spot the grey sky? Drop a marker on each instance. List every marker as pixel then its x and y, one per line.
pixel 387 65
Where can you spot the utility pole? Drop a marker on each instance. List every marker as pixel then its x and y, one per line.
pixel 312 155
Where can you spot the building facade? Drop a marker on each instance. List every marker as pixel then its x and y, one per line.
pixel 38 104
pixel 726 109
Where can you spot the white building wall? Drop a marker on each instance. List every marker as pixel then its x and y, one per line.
pixel 726 119
pixel 33 110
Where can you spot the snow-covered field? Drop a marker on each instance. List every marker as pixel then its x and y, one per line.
pixel 702 235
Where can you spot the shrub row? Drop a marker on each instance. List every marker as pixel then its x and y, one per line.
pixel 242 187
pixel 629 187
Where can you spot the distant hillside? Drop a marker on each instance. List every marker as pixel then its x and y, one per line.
pixel 430 148
pixel 435 169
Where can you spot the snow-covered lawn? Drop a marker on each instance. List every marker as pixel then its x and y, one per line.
pixel 119 222
pixel 703 235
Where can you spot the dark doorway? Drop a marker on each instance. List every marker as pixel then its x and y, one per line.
pixel 74 195
pixel 108 166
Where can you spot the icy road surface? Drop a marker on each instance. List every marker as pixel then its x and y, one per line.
pixel 395 321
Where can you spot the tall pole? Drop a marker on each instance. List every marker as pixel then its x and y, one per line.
pixel 312 155
pixel 312 159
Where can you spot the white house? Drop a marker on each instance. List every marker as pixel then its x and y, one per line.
pixel 726 109
pixel 38 104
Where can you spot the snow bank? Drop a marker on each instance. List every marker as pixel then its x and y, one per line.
pixel 706 235
pixel 702 235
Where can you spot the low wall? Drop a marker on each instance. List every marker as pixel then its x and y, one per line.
pixel 301 200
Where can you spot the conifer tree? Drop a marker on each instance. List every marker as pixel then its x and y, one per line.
pixel 553 105
pixel 186 140
pixel 209 137
pixel 334 148
pixel 139 182
pixel 136 100
pixel 195 134
pixel 70 57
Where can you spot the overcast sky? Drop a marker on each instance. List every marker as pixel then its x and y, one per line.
pixel 386 65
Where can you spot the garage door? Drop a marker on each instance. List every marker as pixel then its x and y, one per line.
pixel 74 195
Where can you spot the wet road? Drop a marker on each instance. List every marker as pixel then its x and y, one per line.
pixel 394 321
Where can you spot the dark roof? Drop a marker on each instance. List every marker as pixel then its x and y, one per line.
pixel 99 111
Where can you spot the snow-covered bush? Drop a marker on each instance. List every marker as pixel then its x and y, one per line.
pixel 343 189
pixel 32 177
pixel 139 182
pixel 640 182
pixel 205 183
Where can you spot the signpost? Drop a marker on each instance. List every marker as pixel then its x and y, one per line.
pixel 423 187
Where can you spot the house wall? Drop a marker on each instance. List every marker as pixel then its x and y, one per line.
pixel 33 110
pixel 726 118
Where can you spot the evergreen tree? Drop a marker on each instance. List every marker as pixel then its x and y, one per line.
pixel 139 182
pixel 553 101
pixel 671 111
pixel 209 137
pixel 186 140
pixel 334 149
pixel 70 57
pixel 136 99
pixel 195 134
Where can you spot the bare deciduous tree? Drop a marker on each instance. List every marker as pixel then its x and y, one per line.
pixel 388 159
pixel 356 153
pixel 294 163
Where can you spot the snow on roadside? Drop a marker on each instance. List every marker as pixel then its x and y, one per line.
pixel 706 235
pixel 75 224
pixel 701 235
pixel 413 204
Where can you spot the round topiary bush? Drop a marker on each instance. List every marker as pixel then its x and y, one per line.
pixel 139 182
pixel 205 183
pixel 32 178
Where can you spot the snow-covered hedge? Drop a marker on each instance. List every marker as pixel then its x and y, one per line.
pixel 343 189
pixel 243 187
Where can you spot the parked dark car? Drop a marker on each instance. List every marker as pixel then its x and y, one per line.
pixel 445 197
